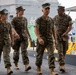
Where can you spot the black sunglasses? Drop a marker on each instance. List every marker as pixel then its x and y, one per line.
pixel 47 8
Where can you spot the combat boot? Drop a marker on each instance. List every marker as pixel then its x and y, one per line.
pixel 27 67
pixel 9 71
pixel 62 68
pixel 16 66
pixel 52 72
pixel 39 72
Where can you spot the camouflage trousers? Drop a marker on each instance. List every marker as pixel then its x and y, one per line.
pixel 5 48
pixel 62 47
pixel 23 44
pixel 40 51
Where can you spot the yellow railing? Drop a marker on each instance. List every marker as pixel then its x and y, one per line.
pixel 71 47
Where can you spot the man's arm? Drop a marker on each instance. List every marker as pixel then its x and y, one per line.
pixel 27 31
pixel 11 33
pixel 69 26
pixel 54 34
pixel 54 31
pixel 15 34
pixel 36 30
pixel 68 30
pixel 41 41
pixel 12 38
pixel 53 28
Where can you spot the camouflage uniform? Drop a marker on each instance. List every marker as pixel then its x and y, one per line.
pixel 61 24
pixel 5 44
pixel 0 52
pixel 45 29
pixel 20 25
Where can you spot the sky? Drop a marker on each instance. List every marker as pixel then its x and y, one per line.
pixel 67 4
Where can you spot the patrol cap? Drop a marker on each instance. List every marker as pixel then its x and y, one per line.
pixel 46 5
pixel 20 8
pixel 4 12
pixel 61 7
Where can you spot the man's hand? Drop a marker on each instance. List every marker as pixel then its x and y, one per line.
pixel 64 34
pixel 12 43
pixel 55 43
pixel 30 38
pixel 65 37
pixel 16 36
pixel 41 41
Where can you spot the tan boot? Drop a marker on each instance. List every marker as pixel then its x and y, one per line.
pixel 9 71
pixel 52 72
pixel 16 66
pixel 27 67
pixel 62 68
pixel 39 71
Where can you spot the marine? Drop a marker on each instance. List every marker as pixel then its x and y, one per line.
pixel 63 25
pixel 5 43
pixel 20 25
pixel 44 30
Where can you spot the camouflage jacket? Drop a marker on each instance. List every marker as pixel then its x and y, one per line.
pixel 45 27
pixel 62 23
pixel 5 29
pixel 20 25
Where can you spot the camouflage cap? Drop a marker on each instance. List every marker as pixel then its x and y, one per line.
pixel 46 5
pixel 20 8
pixel 61 7
pixel 4 12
